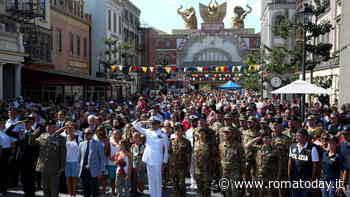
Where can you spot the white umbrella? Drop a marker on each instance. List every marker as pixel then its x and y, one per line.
pixel 300 87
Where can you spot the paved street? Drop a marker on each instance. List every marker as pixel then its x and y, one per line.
pixel 19 193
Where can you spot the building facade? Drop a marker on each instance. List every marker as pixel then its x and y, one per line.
pixel 329 71
pixel 272 12
pixel 344 80
pixel 107 24
pixel 11 55
pixel 71 37
pixel 131 32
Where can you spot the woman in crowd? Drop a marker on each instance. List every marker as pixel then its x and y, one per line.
pixel 113 149
pixel 138 167
pixel 72 164
pixel 331 167
pixel 123 175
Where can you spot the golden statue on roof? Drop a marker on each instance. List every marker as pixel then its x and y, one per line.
pixel 239 16
pixel 189 16
pixel 213 13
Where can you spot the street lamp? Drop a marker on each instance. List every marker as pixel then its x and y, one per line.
pixel 303 17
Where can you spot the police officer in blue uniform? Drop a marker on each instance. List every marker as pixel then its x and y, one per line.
pixel 303 163
pixel 345 155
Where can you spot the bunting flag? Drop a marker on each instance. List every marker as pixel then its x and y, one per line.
pixel 174 68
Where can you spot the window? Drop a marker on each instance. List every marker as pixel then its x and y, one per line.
pixel 71 37
pixel 338 35
pixel 59 40
pixel 115 22
pixel 85 47
pixel 109 20
pixel 78 46
pixel 120 24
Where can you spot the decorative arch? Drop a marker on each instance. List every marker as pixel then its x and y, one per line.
pixel 212 55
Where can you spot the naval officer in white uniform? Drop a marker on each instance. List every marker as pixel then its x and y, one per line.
pixel 155 155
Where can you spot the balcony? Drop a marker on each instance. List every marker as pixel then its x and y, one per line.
pixel 11 42
pixel 27 9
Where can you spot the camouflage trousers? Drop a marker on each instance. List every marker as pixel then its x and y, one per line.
pixel 266 192
pixel 203 184
pixel 232 191
pixel 178 177
pixel 250 176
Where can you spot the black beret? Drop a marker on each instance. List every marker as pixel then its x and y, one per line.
pixel 51 122
pixel 303 132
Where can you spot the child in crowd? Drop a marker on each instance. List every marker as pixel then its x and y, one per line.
pixel 122 160
pixel 139 168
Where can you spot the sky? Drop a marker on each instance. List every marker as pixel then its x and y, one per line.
pixel 161 14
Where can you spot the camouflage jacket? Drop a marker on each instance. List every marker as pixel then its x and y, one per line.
pixel 180 150
pixel 247 136
pixel 232 158
pixel 266 161
pixel 202 154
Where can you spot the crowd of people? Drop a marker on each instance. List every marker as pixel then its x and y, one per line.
pixel 118 148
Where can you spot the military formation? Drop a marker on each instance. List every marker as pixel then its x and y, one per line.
pixel 236 148
pixel 213 135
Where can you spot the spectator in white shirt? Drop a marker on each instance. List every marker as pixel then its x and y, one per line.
pixel 7 146
pixel 12 117
pixel 113 149
pixel 72 159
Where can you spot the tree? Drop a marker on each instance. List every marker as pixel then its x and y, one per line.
pixel 282 61
pixel 252 77
pixel 115 49
pixel 319 51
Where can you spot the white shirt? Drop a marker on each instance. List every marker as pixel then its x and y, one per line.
pixel 10 122
pixel 72 151
pixel 189 135
pixel 157 145
pixel 6 140
pixel 114 150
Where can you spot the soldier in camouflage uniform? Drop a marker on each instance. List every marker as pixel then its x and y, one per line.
pixel 52 156
pixel 250 153
pixel 214 143
pixel 264 125
pixel 229 121
pixel 243 123
pixel 180 151
pixel 293 125
pixel 232 159
pixel 203 152
pixel 266 159
pixel 281 143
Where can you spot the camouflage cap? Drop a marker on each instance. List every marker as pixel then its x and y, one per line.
pixel 277 120
pixel 252 119
pixel 243 118
pixel 228 116
pixel 228 129
pixel 235 113
pixel 264 120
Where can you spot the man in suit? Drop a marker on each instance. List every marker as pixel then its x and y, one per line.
pixel 61 119
pixel 52 156
pixel 27 155
pixel 91 163
pixel 155 155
